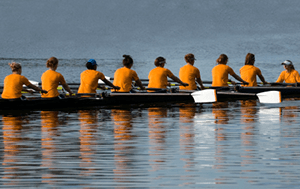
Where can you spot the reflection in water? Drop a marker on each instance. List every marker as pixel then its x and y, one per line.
pixel 122 144
pixel 249 118
pixel 248 111
pixel 220 111
pixel 187 133
pixel 157 135
pixel 88 127
pixel 289 114
pixel 49 124
pixel 186 141
pixel 12 139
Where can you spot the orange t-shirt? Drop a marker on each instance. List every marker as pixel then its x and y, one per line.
pixel 248 73
pixel 158 77
pixel 292 77
pixel 123 78
pixel 220 75
pixel 188 74
pixel 50 80
pixel 13 85
pixel 89 81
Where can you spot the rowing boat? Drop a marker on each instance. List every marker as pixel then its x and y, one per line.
pixel 286 91
pixel 142 98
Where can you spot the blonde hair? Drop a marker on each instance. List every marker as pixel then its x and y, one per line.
pixel 52 62
pixel 15 66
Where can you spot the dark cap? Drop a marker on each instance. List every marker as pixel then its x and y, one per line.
pixel 287 63
pixel 93 62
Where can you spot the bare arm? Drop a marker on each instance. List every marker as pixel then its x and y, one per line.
pixel 110 84
pixel 200 83
pixel 36 88
pixel 240 79
pixel 67 88
pixel 139 83
pixel 261 77
pixel 179 81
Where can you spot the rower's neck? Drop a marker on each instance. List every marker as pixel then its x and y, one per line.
pixel 16 72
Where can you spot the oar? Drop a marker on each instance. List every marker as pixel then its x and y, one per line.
pixel 269 97
pixel 205 96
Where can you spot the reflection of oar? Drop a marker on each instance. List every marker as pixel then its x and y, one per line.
pixel 269 97
pixel 205 96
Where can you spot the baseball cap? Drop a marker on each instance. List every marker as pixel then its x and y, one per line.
pixel 287 63
pixel 93 62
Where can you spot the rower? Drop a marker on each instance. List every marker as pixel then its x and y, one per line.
pixel 221 71
pixel 289 75
pixel 123 76
pixel 189 73
pixel 89 78
pixel 158 77
pixel 13 84
pixel 51 79
pixel 249 71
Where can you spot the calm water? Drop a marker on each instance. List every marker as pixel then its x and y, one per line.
pixel 223 145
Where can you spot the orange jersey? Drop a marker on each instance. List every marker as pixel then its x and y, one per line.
pixel 89 81
pixel 13 85
pixel 123 78
pixel 292 77
pixel 188 74
pixel 158 77
pixel 50 81
pixel 249 73
pixel 220 75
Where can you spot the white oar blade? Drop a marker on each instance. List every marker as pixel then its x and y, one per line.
pixel 205 96
pixel 269 97
pixel 101 82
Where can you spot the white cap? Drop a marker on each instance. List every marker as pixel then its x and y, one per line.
pixel 287 62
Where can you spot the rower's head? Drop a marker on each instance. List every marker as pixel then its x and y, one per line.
pixel 288 65
pixel 190 58
pixel 223 58
pixel 127 61
pixel 15 67
pixel 250 59
pixel 52 63
pixel 160 62
pixel 91 64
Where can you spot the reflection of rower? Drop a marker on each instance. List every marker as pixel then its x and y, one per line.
pixel 13 83
pixel 187 134
pixel 288 114
pixel 49 123
pixel 219 109
pixel 157 135
pixel 88 128
pixel 12 138
pixel 122 135
pixel 248 111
